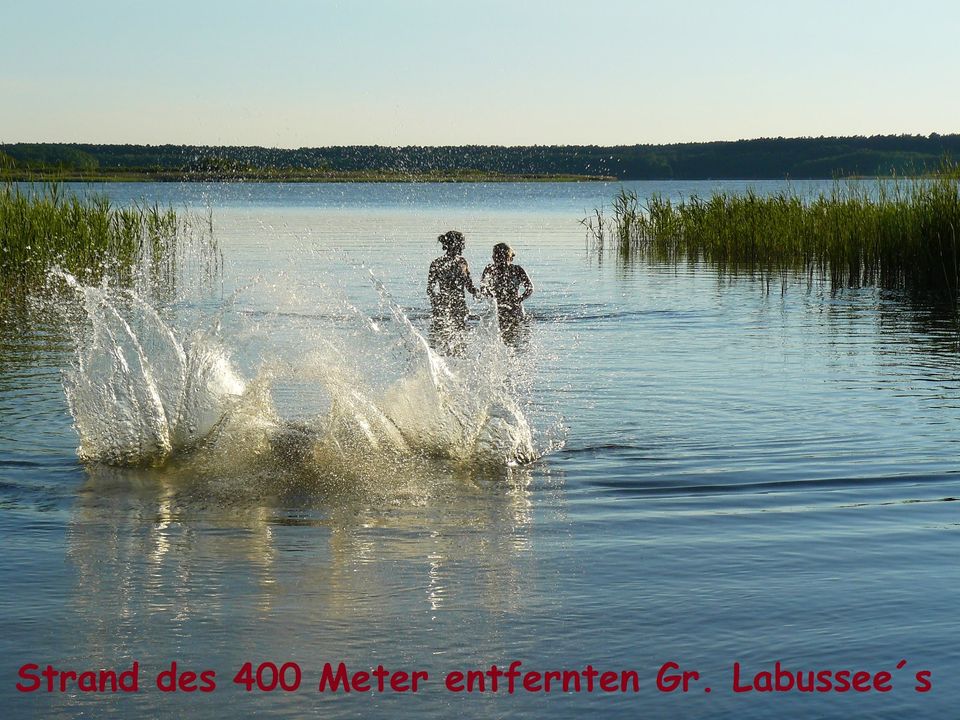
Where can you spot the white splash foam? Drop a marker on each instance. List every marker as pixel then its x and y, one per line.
pixel 139 394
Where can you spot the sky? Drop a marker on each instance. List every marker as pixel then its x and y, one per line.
pixel 287 73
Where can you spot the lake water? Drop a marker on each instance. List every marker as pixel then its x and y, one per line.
pixel 725 474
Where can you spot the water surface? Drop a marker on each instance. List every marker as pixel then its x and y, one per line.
pixel 744 476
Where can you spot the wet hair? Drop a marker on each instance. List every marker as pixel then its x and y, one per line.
pixel 451 237
pixel 502 252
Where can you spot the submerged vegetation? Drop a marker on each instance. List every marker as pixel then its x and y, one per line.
pixel 42 227
pixel 892 233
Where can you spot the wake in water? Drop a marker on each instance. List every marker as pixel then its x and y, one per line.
pixel 372 394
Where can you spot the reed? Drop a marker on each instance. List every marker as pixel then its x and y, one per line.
pixel 41 227
pixel 892 233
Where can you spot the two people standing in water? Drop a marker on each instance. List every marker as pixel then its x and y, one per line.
pixel 449 280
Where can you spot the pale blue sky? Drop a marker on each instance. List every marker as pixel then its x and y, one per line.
pixel 511 72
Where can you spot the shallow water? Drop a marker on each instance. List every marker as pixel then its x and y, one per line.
pixel 729 474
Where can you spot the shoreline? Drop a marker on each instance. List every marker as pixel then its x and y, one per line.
pixel 407 178
pixel 280 177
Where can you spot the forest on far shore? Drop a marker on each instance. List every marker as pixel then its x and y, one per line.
pixel 766 158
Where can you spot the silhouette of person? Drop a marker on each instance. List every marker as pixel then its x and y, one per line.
pixel 447 280
pixel 503 280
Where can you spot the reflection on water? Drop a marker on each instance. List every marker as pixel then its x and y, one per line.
pixel 169 567
pixel 150 538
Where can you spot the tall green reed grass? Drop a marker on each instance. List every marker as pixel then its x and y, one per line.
pixel 42 226
pixel 892 233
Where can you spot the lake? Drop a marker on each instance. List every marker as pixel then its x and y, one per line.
pixel 724 473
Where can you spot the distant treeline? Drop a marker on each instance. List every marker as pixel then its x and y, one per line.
pixel 821 157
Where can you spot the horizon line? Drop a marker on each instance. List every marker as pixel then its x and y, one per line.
pixel 927 136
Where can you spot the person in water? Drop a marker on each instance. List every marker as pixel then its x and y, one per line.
pixel 448 279
pixel 503 281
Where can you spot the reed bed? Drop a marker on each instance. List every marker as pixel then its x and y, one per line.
pixel 892 233
pixel 42 227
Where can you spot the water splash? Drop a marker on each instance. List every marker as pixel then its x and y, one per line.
pixel 144 392
pixel 138 393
